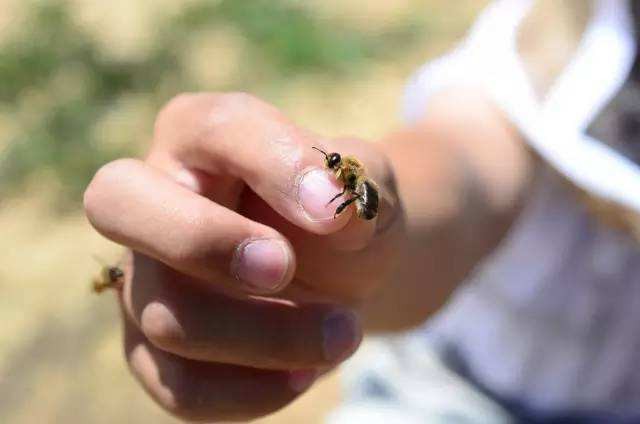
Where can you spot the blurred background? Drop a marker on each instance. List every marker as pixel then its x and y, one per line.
pixel 80 83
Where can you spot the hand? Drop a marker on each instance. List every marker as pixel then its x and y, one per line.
pixel 240 286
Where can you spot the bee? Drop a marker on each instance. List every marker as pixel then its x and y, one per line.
pixel 110 277
pixel 363 190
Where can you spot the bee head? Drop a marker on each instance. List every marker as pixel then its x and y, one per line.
pixel 115 273
pixel 331 160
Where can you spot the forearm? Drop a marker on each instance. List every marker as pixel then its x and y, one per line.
pixel 461 173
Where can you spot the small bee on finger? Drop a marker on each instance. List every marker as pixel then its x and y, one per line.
pixel 363 191
pixel 110 277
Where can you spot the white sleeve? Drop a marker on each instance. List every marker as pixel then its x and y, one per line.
pixel 446 71
pixel 484 56
pixel 554 126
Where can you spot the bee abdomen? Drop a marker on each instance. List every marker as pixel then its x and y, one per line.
pixel 367 204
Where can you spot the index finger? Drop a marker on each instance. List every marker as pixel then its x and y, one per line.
pixel 241 136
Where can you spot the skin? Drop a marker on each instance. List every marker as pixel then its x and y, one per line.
pixel 226 170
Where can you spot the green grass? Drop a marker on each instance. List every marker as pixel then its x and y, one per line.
pixel 284 40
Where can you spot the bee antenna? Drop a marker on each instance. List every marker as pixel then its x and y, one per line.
pixel 321 151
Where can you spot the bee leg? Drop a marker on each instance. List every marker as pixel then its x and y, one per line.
pixel 345 204
pixel 344 190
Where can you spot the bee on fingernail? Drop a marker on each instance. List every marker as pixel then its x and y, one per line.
pixel 359 188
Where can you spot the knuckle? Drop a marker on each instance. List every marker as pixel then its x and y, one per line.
pixel 114 171
pixel 160 325
pixel 174 107
pixel 181 109
pixel 195 115
pixel 106 178
pixel 200 118
pixel 229 108
pixel 187 103
pixel 235 99
pixel 236 106
pixel 197 247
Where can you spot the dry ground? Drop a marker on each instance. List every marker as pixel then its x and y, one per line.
pixel 60 353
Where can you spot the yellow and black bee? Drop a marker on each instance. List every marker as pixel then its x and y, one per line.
pixel 363 190
pixel 110 277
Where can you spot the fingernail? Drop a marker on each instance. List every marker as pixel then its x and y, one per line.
pixel 341 334
pixel 261 264
pixel 317 188
pixel 301 380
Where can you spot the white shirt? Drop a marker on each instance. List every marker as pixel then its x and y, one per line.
pixel 552 318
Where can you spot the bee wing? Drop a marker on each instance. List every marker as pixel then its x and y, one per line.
pixel 377 187
pixel 106 264
pixel 96 285
pixel 99 260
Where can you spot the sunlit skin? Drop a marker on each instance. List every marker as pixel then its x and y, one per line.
pixel 242 285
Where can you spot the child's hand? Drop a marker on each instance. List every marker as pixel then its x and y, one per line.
pixel 230 205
